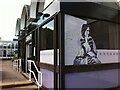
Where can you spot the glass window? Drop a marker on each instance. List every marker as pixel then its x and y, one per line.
pixel 4 53
pixel 89 41
pixel 47 36
pixel 16 46
pixel 1 46
pixel 1 53
pixel 30 50
pixel 9 46
pixel 12 45
pixel 46 43
pixel 4 47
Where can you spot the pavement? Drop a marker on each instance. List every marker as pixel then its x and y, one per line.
pixel 0 71
pixel 9 75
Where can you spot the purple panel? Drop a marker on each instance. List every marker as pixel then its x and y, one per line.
pixel 96 79
pixel 48 78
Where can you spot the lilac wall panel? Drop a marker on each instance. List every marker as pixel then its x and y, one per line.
pixel 48 78
pixel 96 79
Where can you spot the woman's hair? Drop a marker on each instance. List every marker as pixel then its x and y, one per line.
pixel 84 28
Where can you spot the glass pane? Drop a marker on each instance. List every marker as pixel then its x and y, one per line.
pixel 47 36
pixel 89 41
pixel 46 43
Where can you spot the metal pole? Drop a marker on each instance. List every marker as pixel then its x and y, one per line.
pixel 29 71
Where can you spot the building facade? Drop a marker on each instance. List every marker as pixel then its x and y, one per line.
pixel 8 49
pixel 54 37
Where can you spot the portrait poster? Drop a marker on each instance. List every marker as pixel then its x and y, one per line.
pixel 73 26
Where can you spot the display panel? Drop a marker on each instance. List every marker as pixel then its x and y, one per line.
pixel 89 41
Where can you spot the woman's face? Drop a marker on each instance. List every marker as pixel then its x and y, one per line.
pixel 87 32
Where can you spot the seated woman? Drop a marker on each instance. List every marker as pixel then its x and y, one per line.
pixel 88 54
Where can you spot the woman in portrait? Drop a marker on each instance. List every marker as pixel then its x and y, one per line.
pixel 87 54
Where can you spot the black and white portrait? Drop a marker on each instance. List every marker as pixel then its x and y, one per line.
pixel 87 54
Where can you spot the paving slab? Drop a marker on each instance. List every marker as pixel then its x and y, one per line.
pixel 8 74
pixel 0 71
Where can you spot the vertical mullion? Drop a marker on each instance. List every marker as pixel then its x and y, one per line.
pixel 55 39
pixel 38 50
pixel 61 52
pixel 24 53
pixel 33 45
pixel 19 55
pixel 36 45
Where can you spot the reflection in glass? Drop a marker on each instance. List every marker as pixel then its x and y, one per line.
pixel 47 35
pixel 105 34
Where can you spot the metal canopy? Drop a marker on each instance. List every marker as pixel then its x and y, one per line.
pixel 91 10
pixel 114 5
